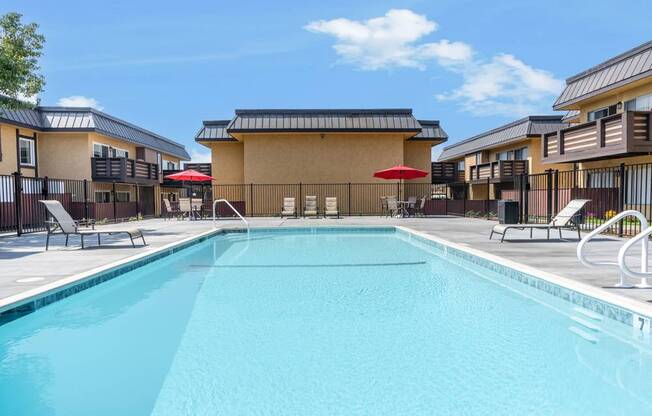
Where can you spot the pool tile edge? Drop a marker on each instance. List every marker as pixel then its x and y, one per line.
pixel 609 305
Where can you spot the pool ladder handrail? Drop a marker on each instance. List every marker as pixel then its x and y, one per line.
pixel 217 201
pixel 581 256
pixel 622 258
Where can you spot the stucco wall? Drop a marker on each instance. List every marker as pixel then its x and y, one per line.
pixel 227 162
pixel 622 94
pixel 311 158
pixel 65 155
pixel 418 155
pixel 8 164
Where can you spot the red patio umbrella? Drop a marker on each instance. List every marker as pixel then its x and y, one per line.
pixel 190 175
pixel 401 172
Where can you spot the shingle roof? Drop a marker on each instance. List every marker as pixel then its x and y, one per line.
pixel 215 130
pixel 88 119
pixel 430 130
pixel 519 129
pixel 247 121
pixel 627 67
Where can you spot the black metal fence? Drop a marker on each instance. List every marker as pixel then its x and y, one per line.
pixel 20 211
pixel 610 191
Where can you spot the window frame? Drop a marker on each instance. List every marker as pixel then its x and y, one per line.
pixel 32 151
pixel 117 199
pixel 108 201
pixel 111 151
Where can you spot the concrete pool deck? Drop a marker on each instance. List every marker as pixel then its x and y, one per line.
pixel 25 266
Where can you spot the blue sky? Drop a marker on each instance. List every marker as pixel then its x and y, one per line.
pixel 473 65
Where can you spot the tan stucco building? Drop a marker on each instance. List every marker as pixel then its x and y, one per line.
pixel 317 146
pixel 85 144
pixel 609 109
pixel 491 161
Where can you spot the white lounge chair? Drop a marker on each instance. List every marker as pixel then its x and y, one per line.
pixel 289 208
pixel 331 209
pixel 64 222
pixel 565 219
pixel 310 209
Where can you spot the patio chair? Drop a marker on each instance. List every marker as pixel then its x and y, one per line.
pixel 176 212
pixel 310 209
pixel 418 208
pixel 64 222
pixel 411 204
pixel 392 206
pixel 383 205
pixel 184 207
pixel 565 219
pixel 331 208
pixel 289 208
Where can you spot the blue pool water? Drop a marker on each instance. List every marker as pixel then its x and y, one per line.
pixel 311 323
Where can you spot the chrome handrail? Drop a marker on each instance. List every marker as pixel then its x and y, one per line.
pixel 622 258
pixel 232 208
pixel 580 247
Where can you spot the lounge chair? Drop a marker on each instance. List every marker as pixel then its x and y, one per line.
pixel 331 208
pixel 310 209
pixel 64 222
pixel 565 219
pixel 169 210
pixel 289 208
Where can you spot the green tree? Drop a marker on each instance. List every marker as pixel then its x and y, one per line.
pixel 20 48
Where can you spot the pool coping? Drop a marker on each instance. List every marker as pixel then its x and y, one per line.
pixel 15 306
pixel 634 307
pixel 30 300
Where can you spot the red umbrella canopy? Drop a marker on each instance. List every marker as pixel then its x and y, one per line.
pixel 401 172
pixel 190 175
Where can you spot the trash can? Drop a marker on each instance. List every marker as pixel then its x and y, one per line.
pixel 507 211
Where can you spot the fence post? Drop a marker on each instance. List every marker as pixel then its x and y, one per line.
pixel 251 200
pixel 621 195
pixel 548 195
pixel 349 199
pixel 18 191
pixel 45 191
pixel 466 190
pixel 86 200
pixel 300 197
pixel 137 202
pixel 115 215
pixel 486 201
pixel 556 184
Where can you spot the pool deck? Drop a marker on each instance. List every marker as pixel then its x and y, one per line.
pixel 25 266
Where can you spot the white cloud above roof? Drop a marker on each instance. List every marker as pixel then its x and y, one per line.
pixel 501 85
pixel 79 101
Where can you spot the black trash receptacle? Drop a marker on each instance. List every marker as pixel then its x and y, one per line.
pixel 507 212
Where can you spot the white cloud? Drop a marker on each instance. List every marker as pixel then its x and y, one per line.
pixel 388 41
pixel 200 155
pixel 79 101
pixel 502 85
pixel 505 86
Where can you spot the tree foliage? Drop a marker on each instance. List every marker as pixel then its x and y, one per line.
pixel 20 48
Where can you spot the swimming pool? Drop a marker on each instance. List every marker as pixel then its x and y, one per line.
pixel 309 321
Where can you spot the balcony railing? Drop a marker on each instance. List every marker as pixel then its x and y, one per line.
pixel 120 169
pixel 446 172
pixel 613 136
pixel 498 171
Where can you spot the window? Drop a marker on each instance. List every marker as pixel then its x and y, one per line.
pixel 460 165
pixel 507 155
pixel 478 158
pixel 521 154
pixel 121 196
pixel 102 197
pixel 26 150
pixel 601 112
pixel 642 103
pixel 104 150
pixel 170 165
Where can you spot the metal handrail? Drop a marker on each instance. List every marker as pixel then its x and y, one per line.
pixel 232 208
pixel 580 247
pixel 622 258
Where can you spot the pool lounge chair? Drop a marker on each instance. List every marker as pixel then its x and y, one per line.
pixel 310 209
pixel 565 219
pixel 64 222
pixel 289 208
pixel 331 209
